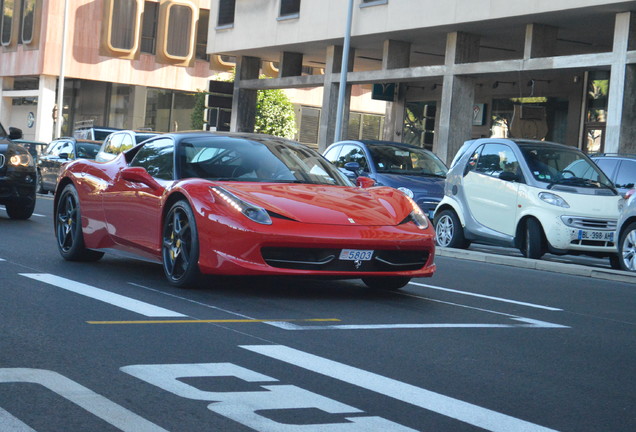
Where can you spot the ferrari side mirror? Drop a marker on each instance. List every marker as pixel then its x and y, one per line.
pixel 139 175
pixel 365 182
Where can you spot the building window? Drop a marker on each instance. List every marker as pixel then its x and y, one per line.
pixel 149 27
pixel 123 21
pixel 226 12
pixel 365 126
pixel 179 31
pixel 202 34
pixel 7 22
pixel 289 7
pixel 373 2
pixel 28 19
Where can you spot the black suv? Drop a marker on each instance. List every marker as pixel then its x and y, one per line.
pixel 17 176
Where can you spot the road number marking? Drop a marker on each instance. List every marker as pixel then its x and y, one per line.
pixel 244 406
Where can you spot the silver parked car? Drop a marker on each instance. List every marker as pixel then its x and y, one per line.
pixel 626 233
pixel 120 141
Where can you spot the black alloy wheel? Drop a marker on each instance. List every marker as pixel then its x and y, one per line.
pixel 68 228
pixel 180 246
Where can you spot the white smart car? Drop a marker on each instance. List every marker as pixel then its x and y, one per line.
pixel 536 196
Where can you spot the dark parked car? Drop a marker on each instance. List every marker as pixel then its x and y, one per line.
pixel 57 154
pixel 17 176
pixel 620 168
pixel 120 141
pixel 413 170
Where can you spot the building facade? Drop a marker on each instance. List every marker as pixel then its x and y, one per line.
pixel 451 70
pixel 128 64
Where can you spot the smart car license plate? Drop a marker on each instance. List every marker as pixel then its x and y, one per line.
pixel 356 255
pixel 596 235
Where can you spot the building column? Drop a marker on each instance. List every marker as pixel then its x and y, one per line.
pixel 458 95
pixel 244 100
pixel 137 107
pixel 327 130
pixel 396 55
pixel 540 41
pixel 44 122
pixel 620 129
pixel 291 64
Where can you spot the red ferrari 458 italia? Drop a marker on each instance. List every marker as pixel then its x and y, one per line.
pixel 240 204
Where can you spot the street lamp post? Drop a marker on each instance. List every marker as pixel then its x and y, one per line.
pixel 60 85
pixel 343 74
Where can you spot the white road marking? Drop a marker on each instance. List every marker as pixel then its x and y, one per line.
pixel 445 405
pixel 92 402
pixel 9 423
pixel 102 295
pixel 487 297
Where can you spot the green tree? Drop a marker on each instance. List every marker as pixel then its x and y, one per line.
pixel 274 112
pixel 196 118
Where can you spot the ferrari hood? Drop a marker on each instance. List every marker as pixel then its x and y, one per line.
pixel 323 204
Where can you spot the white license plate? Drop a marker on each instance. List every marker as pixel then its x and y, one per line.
pixel 596 235
pixel 356 255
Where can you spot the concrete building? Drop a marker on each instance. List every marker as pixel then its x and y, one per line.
pixel 126 63
pixel 451 70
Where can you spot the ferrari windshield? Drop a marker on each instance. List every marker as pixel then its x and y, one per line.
pixel 405 160
pixel 265 159
pixel 563 166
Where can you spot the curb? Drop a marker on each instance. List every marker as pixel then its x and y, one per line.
pixel 570 269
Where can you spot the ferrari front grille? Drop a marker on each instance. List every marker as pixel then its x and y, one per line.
pixel 320 259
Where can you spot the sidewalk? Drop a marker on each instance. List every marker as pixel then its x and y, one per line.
pixel 571 269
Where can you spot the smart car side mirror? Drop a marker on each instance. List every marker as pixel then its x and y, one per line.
pixel 508 176
pixel 15 133
pixel 139 175
pixel 63 156
pixel 364 182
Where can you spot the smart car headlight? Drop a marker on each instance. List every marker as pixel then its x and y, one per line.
pixel 21 159
pixel 417 215
pixel 553 199
pixel 253 212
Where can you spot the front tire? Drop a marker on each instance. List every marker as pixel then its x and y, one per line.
pixel 533 242
pixel 449 231
pixel 22 208
pixel 627 248
pixel 389 283
pixel 39 188
pixel 68 228
pixel 180 246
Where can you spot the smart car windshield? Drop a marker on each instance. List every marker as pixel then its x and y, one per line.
pixel 405 160
pixel 563 166
pixel 267 160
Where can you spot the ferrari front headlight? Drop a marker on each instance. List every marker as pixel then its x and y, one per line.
pixel 253 212
pixel 417 215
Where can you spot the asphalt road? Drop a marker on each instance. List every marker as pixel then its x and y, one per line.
pixel 489 343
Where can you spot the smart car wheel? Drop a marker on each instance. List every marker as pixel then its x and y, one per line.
pixel 68 228
pixel 533 243
pixel 627 248
pixel 449 231
pixel 390 283
pixel 180 250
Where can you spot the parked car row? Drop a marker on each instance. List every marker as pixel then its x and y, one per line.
pixel 63 150
pixel 536 196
